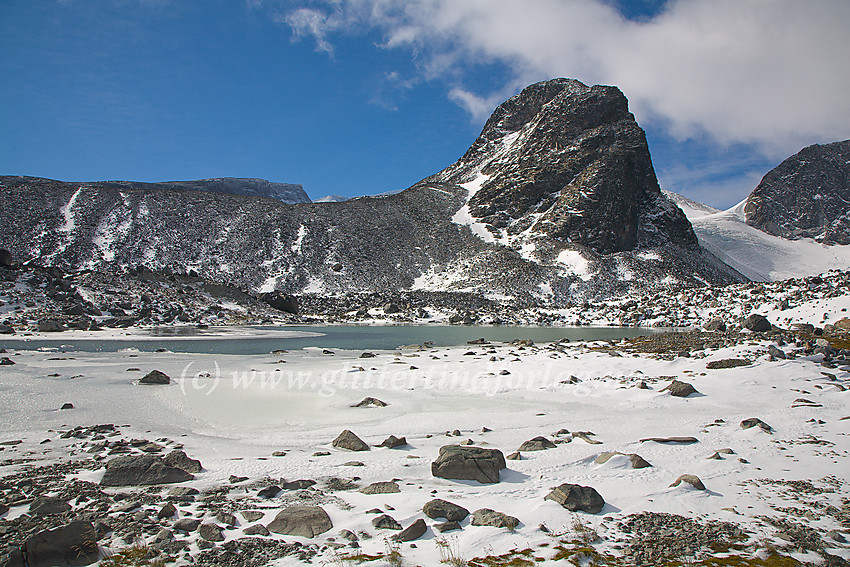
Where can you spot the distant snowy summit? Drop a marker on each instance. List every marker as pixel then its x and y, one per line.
pixel 332 199
pixel 806 196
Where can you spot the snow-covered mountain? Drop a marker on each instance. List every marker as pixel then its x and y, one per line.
pixel 555 202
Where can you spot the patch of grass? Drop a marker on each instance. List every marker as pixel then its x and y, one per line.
pixel 137 555
pixel 393 556
pixel 449 549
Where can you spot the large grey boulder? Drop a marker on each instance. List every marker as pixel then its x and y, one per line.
pixel 575 497
pixel 74 544
pixel 457 462
pixel 304 521
pixel 348 440
pixel 135 470
pixel 181 460
pixel 488 517
pixel 438 508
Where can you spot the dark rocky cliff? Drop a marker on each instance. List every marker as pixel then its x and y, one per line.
pixel 806 196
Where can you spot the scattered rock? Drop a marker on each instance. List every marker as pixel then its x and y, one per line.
pixel 574 497
pixel 269 491
pixel 381 488
pixel 447 527
pixel 6 361
pixel 776 352
pixel 251 515
pixel 256 529
pixel 181 460
pixel 48 506
pixel 682 440
pixel 51 326
pixel 392 442
pixel 304 521
pixel 680 389
pixel 67 406
pixel 412 532
pixel 636 461
pixel 468 463
pixel 757 323
pixel 438 508
pixel 210 532
pixel 186 524
pixel 539 443
pixel 385 522
pixel 166 511
pixel 488 517
pixel 349 441
pixel 715 324
pixel 691 479
pixel 370 401
pixel 515 456
pixel 155 377
pixel 755 422
pixel 728 363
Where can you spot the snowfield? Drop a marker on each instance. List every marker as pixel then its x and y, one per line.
pixel 234 412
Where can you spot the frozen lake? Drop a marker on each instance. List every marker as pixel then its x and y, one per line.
pixel 262 340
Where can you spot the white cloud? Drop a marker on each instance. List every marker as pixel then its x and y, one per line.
pixel 766 72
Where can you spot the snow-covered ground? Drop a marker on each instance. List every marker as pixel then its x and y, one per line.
pixel 243 408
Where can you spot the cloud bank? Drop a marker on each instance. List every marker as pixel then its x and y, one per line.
pixel 769 73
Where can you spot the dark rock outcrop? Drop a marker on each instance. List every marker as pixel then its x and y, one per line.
pixel 155 377
pixel 805 196
pixel 349 441
pixel 73 544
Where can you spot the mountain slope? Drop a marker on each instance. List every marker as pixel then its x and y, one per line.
pixel 806 196
pixel 555 202
pixel 250 187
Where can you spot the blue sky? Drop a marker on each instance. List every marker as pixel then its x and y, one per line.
pixel 364 96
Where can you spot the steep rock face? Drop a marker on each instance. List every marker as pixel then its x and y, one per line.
pixel 283 192
pixel 555 202
pixel 568 162
pixel 806 196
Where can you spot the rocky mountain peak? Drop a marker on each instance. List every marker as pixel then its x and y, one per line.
pixel 805 196
pixel 569 162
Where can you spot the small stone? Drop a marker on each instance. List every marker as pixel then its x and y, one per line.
pixel 392 442
pixel 269 491
pixel 515 456
pixel 155 377
pixel 186 524
pixel 166 511
pixel 438 508
pixel 370 402
pixel 539 443
pixel 251 515
pixel 381 488
pixel 680 389
pixel 67 406
pixel 755 422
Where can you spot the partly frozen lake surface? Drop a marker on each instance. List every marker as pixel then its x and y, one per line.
pixel 262 340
